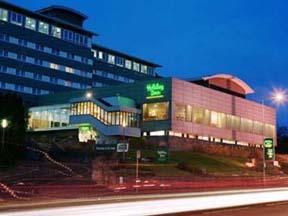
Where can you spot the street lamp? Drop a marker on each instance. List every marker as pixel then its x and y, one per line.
pixel 4 124
pixel 278 97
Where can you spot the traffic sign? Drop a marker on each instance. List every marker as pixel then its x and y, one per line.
pixel 122 147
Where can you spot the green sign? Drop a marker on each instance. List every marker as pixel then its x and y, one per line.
pixel 162 155
pixel 268 148
pixel 84 127
pixel 155 90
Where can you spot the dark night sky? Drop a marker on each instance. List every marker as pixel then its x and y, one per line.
pixel 191 38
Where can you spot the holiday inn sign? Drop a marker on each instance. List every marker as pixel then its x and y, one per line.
pixel 155 90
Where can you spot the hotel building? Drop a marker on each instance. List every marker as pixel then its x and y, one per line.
pixel 213 108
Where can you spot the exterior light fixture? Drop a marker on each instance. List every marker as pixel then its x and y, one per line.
pixel 88 95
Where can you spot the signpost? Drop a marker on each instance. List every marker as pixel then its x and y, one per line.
pixel 122 147
pixel 155 90
pixel 268 149
pixel 138 156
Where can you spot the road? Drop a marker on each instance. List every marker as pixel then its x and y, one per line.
pixel 271 209
pixel 163 204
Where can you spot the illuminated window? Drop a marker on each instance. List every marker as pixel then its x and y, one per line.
pixel 30 23
pixel 221 120
pixel 3 15
pixel 43 27
pixel 100 55
pixel 128 64
pixel 189 113
pixel 136 66
pixel 69 70
pixel 246 125
pixel 155 111
pixel 257 127
pixel 198 115
pixel 49 117
pixel 56 31
pixel 207 117
pixel 157 133
pixel 180 112
pixel 235 123
pixel 111 59
pixel 269 130
pixel 54 66
pixel 144 69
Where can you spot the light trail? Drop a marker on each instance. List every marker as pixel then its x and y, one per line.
pixel 180 203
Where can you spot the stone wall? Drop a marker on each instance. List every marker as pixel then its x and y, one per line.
pixel 185 144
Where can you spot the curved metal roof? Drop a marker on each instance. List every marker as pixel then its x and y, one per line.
pixel 63 8
pixel 241 83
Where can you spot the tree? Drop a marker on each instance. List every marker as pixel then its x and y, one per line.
pixel 12 109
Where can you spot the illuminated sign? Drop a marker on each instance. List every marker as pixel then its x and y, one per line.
pixel 155 90
pixel 84 128
pixel 162 155
pixel 122 147
pixel 268 148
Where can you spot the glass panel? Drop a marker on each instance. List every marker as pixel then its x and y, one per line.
pixel 189 113
pixel 155 111
pixel 56 31
pixel 16 18
pixel 136 66
pixel 30 23
pixel 3 15
pixel 43 27
pixel 128 64
pixel 198 115
pixel 207 117
pixel 180 112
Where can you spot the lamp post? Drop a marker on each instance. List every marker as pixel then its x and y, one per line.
pixel 278 97
pixel 4 124
pixel 123 138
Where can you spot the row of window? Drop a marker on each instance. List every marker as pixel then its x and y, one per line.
pixel 113 76
pixel 44 28
pixel 98 84
pixel 48 117
pixel 109 118
pixel 39 62
pixel 52 51
pixel 222 120
pixel 22 88
pixel 191 136
pixel 121 62
pixel 41 77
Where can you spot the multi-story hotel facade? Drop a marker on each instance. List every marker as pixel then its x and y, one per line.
pixel 49 50
pixel 72 84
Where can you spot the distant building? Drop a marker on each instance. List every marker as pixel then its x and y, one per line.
pixel 49 51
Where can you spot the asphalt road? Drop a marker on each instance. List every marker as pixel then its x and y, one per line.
pixel 170 204
pixel 271 209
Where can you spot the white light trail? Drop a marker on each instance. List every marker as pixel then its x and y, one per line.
pixel 200 201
